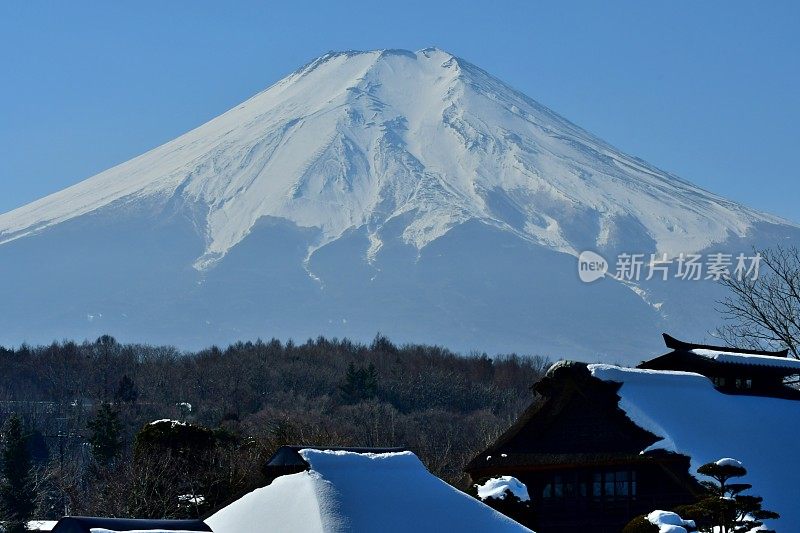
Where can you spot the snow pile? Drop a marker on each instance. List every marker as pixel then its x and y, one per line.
pixel 42 525
pixel 748 359
pixel 694 419
pixel 172 423
pixel 727 461
pixel 498 487
pixel 668 522
pixel 359 493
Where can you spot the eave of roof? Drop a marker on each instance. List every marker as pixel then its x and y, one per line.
pixel 678 345
pixel 736 358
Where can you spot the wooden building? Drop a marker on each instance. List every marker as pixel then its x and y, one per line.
pixel 733 371
pixel 580 456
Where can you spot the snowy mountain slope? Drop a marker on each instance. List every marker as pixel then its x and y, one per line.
pixel 397 185
pixel 358 139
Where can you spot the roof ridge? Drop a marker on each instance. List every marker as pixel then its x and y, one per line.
pixel 676 344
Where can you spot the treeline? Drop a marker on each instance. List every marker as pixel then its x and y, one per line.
pixel 85 410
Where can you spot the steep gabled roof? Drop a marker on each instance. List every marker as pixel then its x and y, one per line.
pixel 570 400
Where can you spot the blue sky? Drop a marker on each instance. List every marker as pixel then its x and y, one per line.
pixel 707 90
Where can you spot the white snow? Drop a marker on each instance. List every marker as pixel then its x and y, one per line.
pixel 171 422
pixel 748 359
pixel 41 525
pixel 358 139
pixel 727 461
pixel 191 499
pixel 669 522
pixel 694 419
pixel 359 493
pixel 498 487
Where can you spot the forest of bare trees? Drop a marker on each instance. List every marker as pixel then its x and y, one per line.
pixel 88 409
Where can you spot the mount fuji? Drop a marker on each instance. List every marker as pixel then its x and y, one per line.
pixel 407 193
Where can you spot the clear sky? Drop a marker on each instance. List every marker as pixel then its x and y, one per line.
pixel 707 90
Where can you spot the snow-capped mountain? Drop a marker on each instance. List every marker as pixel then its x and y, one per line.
pixel 410 193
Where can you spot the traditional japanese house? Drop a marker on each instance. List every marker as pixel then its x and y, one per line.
pixel 733 370
pixel 588 466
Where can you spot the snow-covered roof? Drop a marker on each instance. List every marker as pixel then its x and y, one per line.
pixel 694 419
pixel 748 359
pixel 353 492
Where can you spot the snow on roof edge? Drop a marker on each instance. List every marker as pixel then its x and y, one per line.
pixel 747 359
pixel 694 419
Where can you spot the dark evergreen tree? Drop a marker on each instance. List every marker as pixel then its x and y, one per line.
pixel 106 434
pixel 725 509
pixel 381 343
pixel 640 524
pixel 360 383
pixel 17 494
pixel 512 506
pixel 37 446
pixel 370 381
pixel 126 391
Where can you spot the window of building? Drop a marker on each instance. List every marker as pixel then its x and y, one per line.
pixel 599 485
pixel 614 485
pixel 558 487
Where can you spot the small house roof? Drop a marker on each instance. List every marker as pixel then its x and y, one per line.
pixel 692 357
pixel 85 524
pixel 676 344
pixel 347 491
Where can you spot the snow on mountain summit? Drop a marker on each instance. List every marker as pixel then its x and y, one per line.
pixel 359 139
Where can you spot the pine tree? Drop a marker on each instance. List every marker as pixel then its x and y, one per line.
pixel 17 494
pixel 359 383
pixel 106 434
pixel 725 509
pixel 126 391
pixel 370 382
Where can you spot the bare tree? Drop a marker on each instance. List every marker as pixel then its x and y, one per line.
pixel 763 312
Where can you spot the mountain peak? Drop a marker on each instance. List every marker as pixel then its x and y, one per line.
pixel 356 139
pixel 410 193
